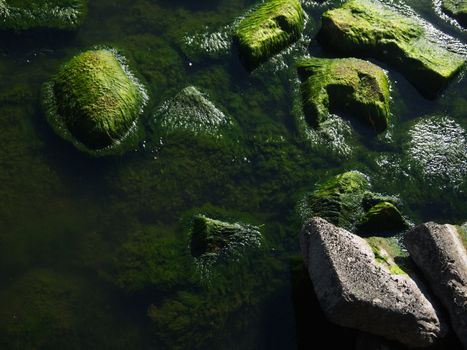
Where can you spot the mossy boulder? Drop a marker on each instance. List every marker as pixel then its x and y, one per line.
pixel 94 101
pixel 345 200
pixel 267 30
pixel 382 217
pixel 49 14
pixel 456 9
pixel 191 112
pixel 349 84
pixel 213 240
pixel 338 200
pixel 370 28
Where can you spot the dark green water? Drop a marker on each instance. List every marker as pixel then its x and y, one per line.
pixel 64 217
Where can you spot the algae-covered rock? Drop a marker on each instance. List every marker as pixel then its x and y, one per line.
pixel 382 217
pixel 213 240
pixel 440 254
pixel 338 200
pixel 456 9
pixel 267 30
pixel 357 291
pixel 191 112
pixel 349 84
pixel 346 201
pixel 94 101
pixel 236 275
pixel 437 150
pixel 51 14
pixel 369 28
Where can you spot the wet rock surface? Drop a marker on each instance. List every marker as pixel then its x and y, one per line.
pixel 354 291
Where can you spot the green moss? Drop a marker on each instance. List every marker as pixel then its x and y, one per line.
pixel 22 15
pixel 267 30
pixel 94 101
pixel 337 200
pixel 382 217
pixel 350 84
pixel 456 9
pixel 369 28
pixel 462 230
pixel 213 241
pixel 389 254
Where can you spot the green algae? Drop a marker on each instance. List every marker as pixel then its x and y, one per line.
pixel 456 9
pixel 346 201
pixel 357 86
pixel 369 28
pixel 338 200
pixel 389 254
pixel 20 15
pixel 152 259
pixel 95 101
pixel 191 112
pixel 462 230
pixel 47 309
pixel 382 217
pixel 267 30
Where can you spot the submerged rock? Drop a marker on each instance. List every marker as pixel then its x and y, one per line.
pixel 191 112
pixel 349 84
pixel 337 200
pixel 50 14
pixel 369 28
pixel 94 101
pixel 355 291
pixel 382 217
pixel 439 252
pixel 456 9
pixel 267 30
pixel 212 240
pixel 437 150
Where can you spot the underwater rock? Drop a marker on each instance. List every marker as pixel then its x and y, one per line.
pixel 191 112
pixel 338 200
pixel 94 101
pixel 212 240
pixel 437 150
pixel 350 84
pixel 207 44
pixel 439 252
pixel 50 14
pixel 456 9
pixel 267 30
pixel 369 28
pixel 382 217
pixel 355 291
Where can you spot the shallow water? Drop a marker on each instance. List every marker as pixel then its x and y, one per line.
pixel 65 216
